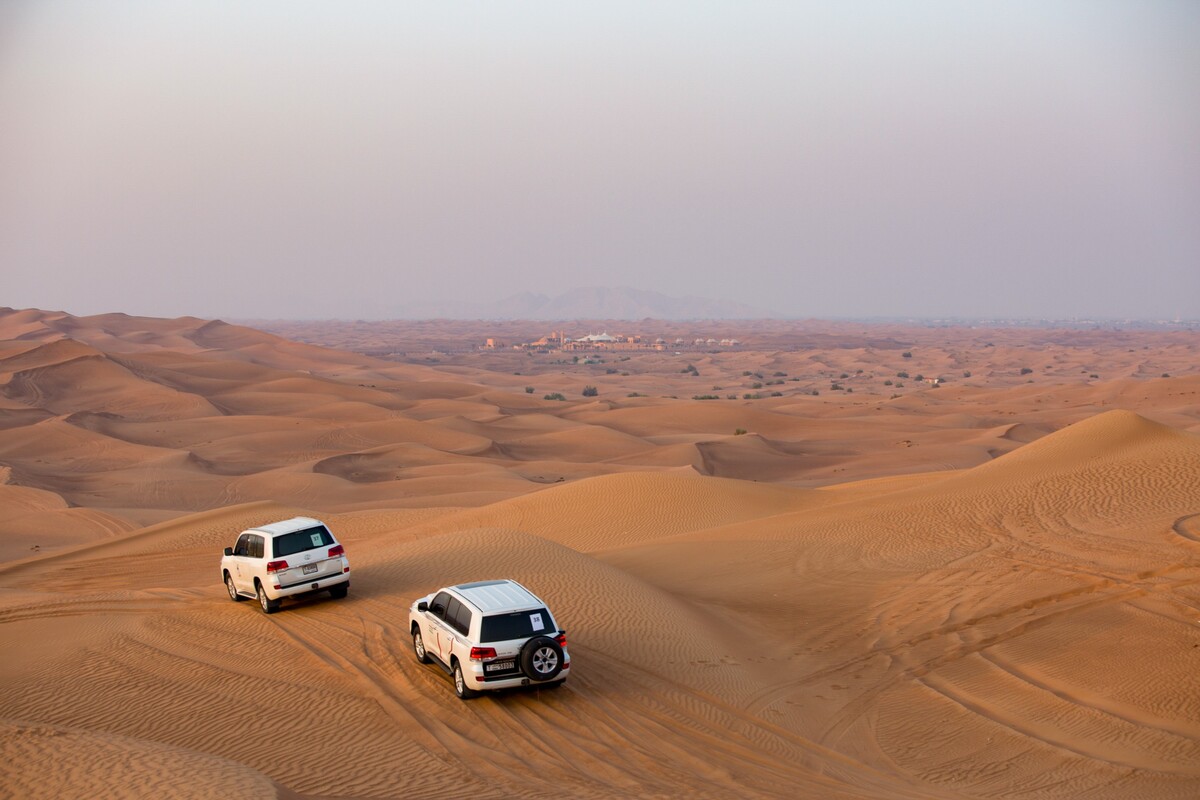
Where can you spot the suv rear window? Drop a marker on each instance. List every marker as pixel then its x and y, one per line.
pixel 517 625
pixel 299 541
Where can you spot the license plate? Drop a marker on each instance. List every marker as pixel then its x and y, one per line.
pixel 499 666
pixel 309 569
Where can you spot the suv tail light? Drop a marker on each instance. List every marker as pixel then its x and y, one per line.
pixel 275 566
pixel 336 551
pixel 480 653
pixel 561 638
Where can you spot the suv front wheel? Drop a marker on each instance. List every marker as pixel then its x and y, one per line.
pixel 419 646
pixel 541 659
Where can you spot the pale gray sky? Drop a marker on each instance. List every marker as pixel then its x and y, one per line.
pixel 1024 158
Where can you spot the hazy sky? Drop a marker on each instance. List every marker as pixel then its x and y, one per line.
pixel 319 159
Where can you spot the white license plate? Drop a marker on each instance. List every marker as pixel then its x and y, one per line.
pixel 499 666
pixel 309 569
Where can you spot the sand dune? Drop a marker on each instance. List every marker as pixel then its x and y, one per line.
pixel 986 589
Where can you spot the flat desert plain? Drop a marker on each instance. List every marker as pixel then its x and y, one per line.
pixel 786 570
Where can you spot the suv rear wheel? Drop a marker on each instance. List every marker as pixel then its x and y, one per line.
pixel 460 684
pixel 269 606
pixel 541 659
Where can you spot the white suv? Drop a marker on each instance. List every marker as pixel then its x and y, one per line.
pixel 284 559
pixel 489 635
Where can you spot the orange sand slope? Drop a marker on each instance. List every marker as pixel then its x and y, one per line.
pixel 1023 625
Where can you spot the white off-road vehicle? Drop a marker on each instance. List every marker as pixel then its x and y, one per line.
pixel 489 635
pixel 285 559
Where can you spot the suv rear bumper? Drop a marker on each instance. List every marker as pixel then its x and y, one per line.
pixel 318 585
pixel 475 679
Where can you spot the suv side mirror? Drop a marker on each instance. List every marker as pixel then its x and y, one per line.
pixel 422 606
pixel 228 551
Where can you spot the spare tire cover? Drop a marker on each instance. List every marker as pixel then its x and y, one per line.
pixel 541 659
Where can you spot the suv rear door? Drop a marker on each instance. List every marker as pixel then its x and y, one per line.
pixel 242 571
pixel 311 554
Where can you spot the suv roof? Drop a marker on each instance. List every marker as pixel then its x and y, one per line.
pixel 505 595
pixel 287 526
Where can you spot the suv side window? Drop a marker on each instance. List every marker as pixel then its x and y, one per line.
pixel 256 546
pixel 242 548
pixel 438 606
pixel 452 611
pixel 462 620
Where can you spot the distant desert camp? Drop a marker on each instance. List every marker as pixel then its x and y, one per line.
pixel 792 559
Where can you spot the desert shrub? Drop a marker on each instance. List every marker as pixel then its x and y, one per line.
pixel 919 377
pixel 1166 374
pixel 1093 375
pixel 815 393
pixel 1026 370
pixel 907 354
pixel 776 394
pixel 740 432
pixel 756 385
pixel 850 390
pixel 590 391
pixel 887 382
pixel 835 387
pixel 966 373
pixel 610 371
pixel 635 394
pixel 749 396
pixel 746 373
pixel 731 397
pixel 901 374
pixel 705 397
pixel 780 374
pixel 844 375
pixel 528 390
pixel 554 396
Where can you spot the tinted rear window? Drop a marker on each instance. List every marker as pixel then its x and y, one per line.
pixel 299 541
pixel 518 625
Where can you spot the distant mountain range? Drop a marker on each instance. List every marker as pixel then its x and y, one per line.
pixel 616 303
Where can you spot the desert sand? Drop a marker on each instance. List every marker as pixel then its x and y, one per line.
pixel 863 586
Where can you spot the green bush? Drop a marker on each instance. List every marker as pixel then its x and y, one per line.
pixel 590 391
pixel 554 396
pixel 528 390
